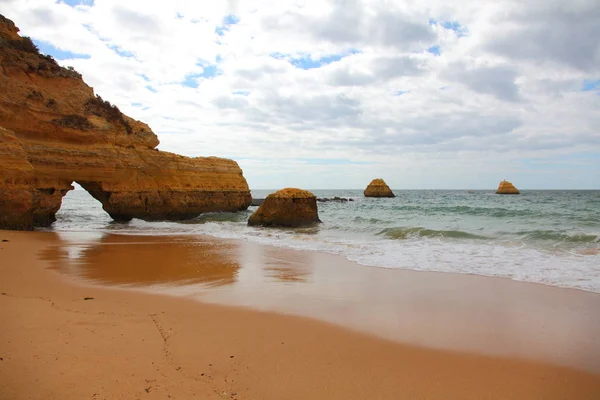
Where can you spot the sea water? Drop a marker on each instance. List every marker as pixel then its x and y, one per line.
pixel 547 237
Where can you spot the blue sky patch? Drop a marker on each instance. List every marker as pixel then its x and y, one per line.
pixel 590 85
pixel 191 80
pixel 242 92
pixel 47 48
pixel 279 56
pixel 455 26
pixel 121 53
pixel 150 88
pixel 435 50
pixel 210 71
pixel 227 22
pixel 400 92
pixel 307 62
pixel 230 20
pixel 74 3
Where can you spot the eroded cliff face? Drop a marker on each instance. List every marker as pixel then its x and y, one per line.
pixel 56 131
pixel 16 184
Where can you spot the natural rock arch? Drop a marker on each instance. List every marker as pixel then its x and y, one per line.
pixel 54 131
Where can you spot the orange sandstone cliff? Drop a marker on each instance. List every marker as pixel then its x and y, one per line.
pixel 54 131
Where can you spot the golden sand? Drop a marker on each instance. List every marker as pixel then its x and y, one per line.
pixel 128 344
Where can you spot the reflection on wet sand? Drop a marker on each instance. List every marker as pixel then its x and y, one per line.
pixel 289 269
pixel 139 261
pixel 439 310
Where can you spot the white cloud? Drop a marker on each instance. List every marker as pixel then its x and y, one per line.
pixel 505 89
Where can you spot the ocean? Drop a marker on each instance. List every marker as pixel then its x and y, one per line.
pixel 546 237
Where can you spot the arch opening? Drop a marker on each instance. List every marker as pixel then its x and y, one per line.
pixel 81 208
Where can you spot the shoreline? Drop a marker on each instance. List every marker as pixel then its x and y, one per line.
pixel 75 235
pixel 482 245
pixel 448 311
pixel 132 344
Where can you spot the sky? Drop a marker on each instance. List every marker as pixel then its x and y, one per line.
pixel 316 94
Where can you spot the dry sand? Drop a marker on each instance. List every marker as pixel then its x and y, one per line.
pixel 123 344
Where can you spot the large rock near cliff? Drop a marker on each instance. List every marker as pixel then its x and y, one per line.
pixel 56 131
pixel 288 207
pixel 378 188
pixel 505 187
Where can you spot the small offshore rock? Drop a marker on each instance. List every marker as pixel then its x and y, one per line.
pixel 336 198
pixel 506 187
pixel 378 188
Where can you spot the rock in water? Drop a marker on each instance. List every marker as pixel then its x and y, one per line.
pixel 378 188
pixel 506 187
pixel 287 207
pixel 56 131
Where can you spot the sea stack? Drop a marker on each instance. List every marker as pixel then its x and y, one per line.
pixel 54 130
pixel 378 188
pixel 506 187
pixel 288 207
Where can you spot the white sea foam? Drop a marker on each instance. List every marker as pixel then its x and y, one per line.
pixel 526 249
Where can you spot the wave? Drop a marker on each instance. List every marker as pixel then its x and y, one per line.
pixel 416 232
pixel 219 217
pixel 559 236
pixel 368 220
pixel 497 212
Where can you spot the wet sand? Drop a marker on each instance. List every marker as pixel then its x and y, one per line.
pixel 411 334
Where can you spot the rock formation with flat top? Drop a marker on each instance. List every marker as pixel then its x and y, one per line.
pixel 378 188
pixel 506 187
pixel 56 131
pixel 287 207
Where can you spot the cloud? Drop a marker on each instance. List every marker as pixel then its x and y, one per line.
pixel 392 67
pixel 367 70
pixel 235 102
pixel 498 81
pixel 427 92
pixel 555 31
pixel 134 21
pixel 401 31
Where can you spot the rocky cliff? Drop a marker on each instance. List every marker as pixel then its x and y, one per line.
pixel 378 188
pixel 56 131
pixel 506 187
pixel 16 188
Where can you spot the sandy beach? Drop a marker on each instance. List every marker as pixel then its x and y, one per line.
pixel 205 318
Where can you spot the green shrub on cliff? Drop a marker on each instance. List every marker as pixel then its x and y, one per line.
pixel 102 108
